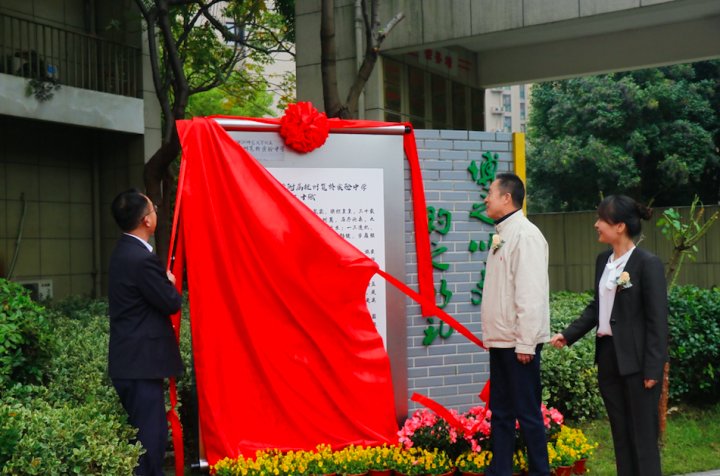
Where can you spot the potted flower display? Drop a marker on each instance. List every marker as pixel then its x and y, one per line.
pixel 321 461
pixel 436 462
pixel 381 460
pixel 351 460
pixel 519 462
pixel 472 463
pixel 566 457
pixel 553 421
pixel 408 462
pixel 576 439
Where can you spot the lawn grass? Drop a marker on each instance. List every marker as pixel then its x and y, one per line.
pixel 692 442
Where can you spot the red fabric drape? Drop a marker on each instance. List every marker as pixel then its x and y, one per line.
pixel 420 224
pixel 177 265
pixel 286 354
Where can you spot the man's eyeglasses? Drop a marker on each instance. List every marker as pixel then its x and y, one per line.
pixel 154 210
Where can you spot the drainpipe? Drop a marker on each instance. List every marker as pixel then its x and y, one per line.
pixel 359 42
pixel 97 265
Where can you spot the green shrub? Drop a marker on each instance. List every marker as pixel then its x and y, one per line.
pixel 569 375
pixel 9 434
pixel 68 440
pixel 25 337
pixel 694 344
pixel 74 423
pixel 77 373
pixel 81 308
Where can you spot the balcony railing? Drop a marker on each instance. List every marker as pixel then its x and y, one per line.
pixel 36 51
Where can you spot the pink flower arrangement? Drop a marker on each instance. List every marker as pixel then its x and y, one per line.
pixel 467 431
pixel 419 419
pixel 552 419
pixel 462 432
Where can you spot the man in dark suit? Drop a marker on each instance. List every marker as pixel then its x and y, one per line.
pixel 143 350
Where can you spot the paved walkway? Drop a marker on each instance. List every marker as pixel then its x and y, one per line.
pixel 714 472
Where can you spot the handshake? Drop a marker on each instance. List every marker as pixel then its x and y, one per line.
pixel 558 341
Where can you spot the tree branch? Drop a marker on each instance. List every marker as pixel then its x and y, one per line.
pixel 373 40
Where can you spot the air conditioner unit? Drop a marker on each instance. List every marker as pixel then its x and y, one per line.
pixel 496 110
pixel 40 289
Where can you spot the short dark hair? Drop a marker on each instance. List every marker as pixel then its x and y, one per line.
pixel 616 209
pixel 128 209
pixel 511 183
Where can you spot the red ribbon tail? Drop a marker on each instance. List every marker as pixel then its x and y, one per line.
pixel 176 429
pixel 430 306
pixel 439 409
pixel 422 235
pixel 485 393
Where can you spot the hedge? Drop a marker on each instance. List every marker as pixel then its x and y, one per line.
pixel 58 412
pixel 570 376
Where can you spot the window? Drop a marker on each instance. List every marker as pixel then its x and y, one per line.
pixel 459 107
pixel 439 102
pixel 522 111
pixel 392 72
pixel 416 97
pixel 235 30
pixel 507 124
pixel 477 110
pixel 522 91
pixel 507 104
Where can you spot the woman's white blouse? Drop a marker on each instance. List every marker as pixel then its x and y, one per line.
pixel 608 289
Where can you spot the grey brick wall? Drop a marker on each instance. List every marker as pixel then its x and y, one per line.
pixel 451 370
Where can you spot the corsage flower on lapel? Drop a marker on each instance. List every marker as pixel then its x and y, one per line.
pixel 623 281
pixel 497 243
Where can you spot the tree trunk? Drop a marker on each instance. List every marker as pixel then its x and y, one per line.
pixel 328 56
pixel 158 186
pixel 673 266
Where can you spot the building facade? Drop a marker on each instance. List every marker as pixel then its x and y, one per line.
pixel 436 65
pixel 507 108
pixel 66 152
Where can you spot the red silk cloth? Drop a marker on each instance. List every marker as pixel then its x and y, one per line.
pixel 285 352
pixel 420 221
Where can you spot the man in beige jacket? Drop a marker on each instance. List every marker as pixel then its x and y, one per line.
pixel 515 316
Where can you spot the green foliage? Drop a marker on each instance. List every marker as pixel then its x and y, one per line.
pixel 652 134
pixel 569 375
pixel 684 236
pixel 692 442
pixel 24 336
pixel 9 434
pixel 231 54
pixel 78 374
pixel 63 439
pixel 237 97
pixel 73 423
pixel 694 344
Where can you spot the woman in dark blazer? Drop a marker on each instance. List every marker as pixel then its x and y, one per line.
pixel 629 312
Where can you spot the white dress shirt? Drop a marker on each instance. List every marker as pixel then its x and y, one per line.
pixel 145 243
pixel 608 290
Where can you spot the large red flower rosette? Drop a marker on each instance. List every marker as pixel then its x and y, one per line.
pixel 303 127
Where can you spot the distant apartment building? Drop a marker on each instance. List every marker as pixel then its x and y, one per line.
pixel 507 108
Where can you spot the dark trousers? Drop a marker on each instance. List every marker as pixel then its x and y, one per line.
pixel 515 393
pixel 633 413
pixel 144 402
